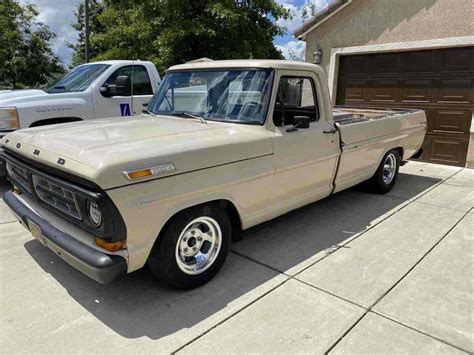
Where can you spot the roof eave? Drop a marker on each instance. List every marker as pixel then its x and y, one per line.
pixel 333 8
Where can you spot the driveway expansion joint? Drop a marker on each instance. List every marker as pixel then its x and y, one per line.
pixel 346 333
pixel 395 211
pixel 229 317
pixel 418 331
pixel 421 259
pixel 370 309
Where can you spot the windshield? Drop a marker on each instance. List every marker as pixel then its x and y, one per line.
pixel 78 79
pixel 239 96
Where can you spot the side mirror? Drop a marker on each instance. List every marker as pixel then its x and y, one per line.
pixel 299 122
pixel 122 87
pixel 105 91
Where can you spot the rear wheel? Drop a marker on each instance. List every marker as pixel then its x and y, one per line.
pixel 192 248
pixel 386 175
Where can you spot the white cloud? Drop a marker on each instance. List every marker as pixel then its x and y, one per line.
pixel 296 20
pixel 58 15
pixel 293 50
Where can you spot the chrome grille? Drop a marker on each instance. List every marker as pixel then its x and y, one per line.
pixel 56 196
pixel 19 175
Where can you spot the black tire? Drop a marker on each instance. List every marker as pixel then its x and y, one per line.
pixel 381 183
pixel 163 259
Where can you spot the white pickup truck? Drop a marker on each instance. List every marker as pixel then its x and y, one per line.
pixel 94 90
pixel 225 145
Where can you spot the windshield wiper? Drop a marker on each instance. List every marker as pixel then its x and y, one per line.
pixel 145 110
pixel 203 121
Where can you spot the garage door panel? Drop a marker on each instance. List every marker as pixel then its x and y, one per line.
pixel 357 66
pixel 455 91
pixel 447 150
pixel 354 91
pixel 440 81
pixel 385 91
pixel 385 64
pixel 456 60
pixel 419 91
pixel 452 121
pixel 471 97
pixel 419 62
pixel 430 117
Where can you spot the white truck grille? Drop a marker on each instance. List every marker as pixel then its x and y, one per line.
pixel 20 175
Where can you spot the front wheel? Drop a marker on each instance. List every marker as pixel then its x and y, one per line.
pixel 192 248
pixel 386 175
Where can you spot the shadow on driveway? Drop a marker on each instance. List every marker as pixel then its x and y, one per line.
pixel 137 306
pixel 4 187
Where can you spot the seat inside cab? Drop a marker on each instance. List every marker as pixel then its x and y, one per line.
pixel 295 97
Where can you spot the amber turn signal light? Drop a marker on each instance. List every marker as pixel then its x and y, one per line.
pixel 110 246
pixel 139 174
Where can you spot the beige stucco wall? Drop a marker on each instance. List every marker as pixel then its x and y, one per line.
pixel 371 22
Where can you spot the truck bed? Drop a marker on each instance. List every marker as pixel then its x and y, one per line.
pixel 372 124
pixel 365 134
pixel 347 115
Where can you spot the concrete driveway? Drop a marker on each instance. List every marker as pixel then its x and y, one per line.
pixel 354 273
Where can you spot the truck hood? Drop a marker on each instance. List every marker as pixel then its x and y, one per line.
pixel 13 97
pixel 101 150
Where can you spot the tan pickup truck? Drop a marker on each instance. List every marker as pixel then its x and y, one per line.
pixel 221 147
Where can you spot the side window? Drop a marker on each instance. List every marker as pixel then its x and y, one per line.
pixel 140 79
pixel 296 97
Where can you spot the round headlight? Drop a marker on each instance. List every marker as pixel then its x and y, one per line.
pixel 95 214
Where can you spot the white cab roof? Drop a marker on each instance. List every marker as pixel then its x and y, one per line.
pixel 113 62
pixel 248 63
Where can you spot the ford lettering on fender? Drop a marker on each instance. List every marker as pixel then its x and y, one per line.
pixel 223 146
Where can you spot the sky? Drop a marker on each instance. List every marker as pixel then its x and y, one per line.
pixel 59 14
pixel 288 45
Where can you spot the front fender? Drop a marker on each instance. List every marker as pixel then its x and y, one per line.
pixel 145 213
pixel 146 207
pixel 37 110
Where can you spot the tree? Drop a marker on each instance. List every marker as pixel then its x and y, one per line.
pixel 26 57
pixel 311 8
pixel 169 32
pixel 95 26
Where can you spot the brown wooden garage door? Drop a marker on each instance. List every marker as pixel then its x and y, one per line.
pixel 439 81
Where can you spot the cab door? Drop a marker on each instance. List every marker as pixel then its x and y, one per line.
pixel 114 106
pixel 305 158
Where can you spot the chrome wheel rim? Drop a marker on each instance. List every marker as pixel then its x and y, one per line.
pixel 389 167
pixel 198 245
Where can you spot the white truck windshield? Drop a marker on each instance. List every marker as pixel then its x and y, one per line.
pixel 78 79
pixel 239 96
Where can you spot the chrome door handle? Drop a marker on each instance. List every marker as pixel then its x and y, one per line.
pixel 331 131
